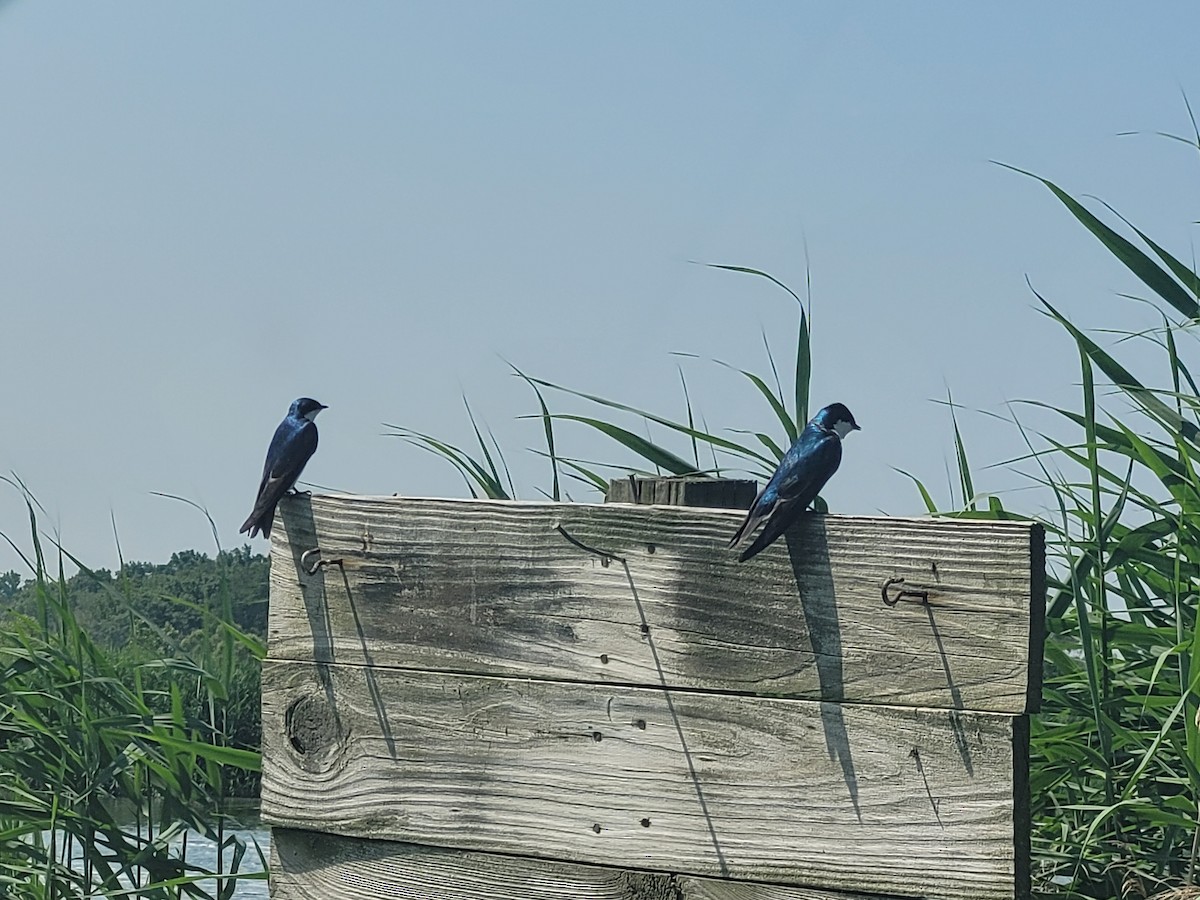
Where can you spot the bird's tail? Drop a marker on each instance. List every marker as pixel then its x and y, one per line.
pixel 260 520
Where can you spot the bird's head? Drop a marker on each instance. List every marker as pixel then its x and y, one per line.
pixel 306 408
pixel 836 418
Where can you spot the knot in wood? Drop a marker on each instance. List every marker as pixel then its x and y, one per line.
pixel 312 728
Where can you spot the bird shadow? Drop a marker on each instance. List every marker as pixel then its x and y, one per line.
pixel 295 514
pixel 808 550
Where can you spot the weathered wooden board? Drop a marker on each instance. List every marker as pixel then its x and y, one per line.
pixel 309 865
pixel 915 802
pixel 497 588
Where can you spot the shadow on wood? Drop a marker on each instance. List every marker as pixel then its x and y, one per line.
pixel 817 598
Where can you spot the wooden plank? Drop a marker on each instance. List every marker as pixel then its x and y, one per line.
pixel 309 865
pixel 915 802
pixel 715 493
pixel 497 588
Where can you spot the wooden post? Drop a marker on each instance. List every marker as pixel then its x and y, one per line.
pixel 717 493
pixel 478 699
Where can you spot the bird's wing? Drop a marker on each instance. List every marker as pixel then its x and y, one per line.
pixel 810 463
pixel 290 450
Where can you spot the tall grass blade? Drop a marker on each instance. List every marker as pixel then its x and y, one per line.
pixel 548 431
pixel 776 402
pixel 1134 259
pixel 706 437
pixel 649 451
pixel 1122 378
pixel 960 455
pixel 691 421
pixel 803 371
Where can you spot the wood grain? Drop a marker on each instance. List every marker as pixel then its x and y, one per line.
pixel 914 802
pixel 496 588
pixel 308 865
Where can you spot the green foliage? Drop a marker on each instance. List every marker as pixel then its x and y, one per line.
pixel 109 757
pixel 170 598
pixel 145 615
pixel 10 583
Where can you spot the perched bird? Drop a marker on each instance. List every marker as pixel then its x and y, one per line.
pixel 808 464
pixel 294 443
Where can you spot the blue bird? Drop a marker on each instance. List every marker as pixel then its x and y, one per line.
pixel 808 464
pixel 293 445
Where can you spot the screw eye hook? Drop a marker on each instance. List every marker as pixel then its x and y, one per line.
pixel 912 596
pixel 311 568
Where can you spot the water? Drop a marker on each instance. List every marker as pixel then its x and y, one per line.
pixel 202 852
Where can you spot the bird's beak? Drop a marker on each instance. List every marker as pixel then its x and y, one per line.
pixel 857 427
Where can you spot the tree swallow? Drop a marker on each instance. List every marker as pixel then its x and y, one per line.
pixel 294 444
pixel 810 462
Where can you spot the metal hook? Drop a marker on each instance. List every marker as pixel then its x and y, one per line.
pixel 917 596
pixel 319 564
pixel 310 570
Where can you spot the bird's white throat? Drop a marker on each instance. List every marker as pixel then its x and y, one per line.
pixel 842 428
pixel 311 416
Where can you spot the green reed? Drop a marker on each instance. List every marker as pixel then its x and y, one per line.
pixel 105 764
pixel 1115 764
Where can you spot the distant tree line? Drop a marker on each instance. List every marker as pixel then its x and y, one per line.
pixel 124 608
pixel 157 622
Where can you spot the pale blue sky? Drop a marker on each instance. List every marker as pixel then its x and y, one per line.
pixel 209 209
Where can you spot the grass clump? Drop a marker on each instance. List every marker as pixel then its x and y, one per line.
pixel 1115 751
